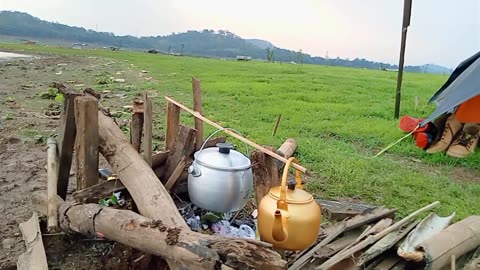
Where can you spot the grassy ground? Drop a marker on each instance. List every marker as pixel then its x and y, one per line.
pixel 340 117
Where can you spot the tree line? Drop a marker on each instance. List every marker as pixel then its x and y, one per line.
pixel 210 43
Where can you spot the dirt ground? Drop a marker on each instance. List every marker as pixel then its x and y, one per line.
pixel 25 125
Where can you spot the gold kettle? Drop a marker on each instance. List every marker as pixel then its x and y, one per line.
pixel 288 217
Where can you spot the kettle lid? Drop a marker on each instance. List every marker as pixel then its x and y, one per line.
pixel 222 157
pixel 295 195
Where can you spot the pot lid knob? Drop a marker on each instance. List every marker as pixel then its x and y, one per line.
pixel 224 148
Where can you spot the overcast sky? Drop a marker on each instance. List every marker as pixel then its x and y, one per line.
pixel 442 31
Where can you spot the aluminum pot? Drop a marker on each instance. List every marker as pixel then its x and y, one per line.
pixel 220 179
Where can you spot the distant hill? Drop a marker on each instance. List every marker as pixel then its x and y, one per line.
pixel 221 43
pixel 260 43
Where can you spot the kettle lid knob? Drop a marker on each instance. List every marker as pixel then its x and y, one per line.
pixel 224 148
pixel 291 184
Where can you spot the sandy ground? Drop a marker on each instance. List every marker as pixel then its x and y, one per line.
pixel 24 128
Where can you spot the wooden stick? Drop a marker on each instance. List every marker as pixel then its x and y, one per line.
pixel 159 159
pixel 378 227
pixel 276 124
pixel 384 244
pixel 173 122
pixel 175 174
pixel 66 142
pixel 183 146
pixel 86 142
pixel 52 184
pixel 147 127
pixel 359 238
pixel 136 126
pixel 453 265
pixel 237 136
pixel 197 106
pixel 99 191
pixel 373 238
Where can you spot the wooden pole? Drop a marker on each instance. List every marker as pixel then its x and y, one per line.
pixel 265 174
pixel 148 128
pixel 136 126
pixel 159 159
pixel 235 135
pixel 172 180
pixel 173 121
pixel 407 9
pixel 66 141
pixel 149 194
pixel 197 106
pixel 52 185
pixel 276 124
pixel 189 250
pixel 86 142
pixel 183 148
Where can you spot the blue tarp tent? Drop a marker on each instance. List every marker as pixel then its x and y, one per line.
pixel 462 85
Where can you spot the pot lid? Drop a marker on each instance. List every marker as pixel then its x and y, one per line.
pixel 296 195
pixel 222 157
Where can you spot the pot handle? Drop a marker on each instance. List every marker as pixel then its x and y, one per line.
pixel 194 170
pixel 222 129
pixel 282 203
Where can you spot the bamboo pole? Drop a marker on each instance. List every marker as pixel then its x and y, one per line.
pixel 235 135
pixel 52 182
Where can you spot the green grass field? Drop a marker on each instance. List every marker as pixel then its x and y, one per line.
pixel 341 117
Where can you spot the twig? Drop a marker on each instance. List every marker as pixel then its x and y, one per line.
pixel 276 124
pixel 360 237
pixel 139 258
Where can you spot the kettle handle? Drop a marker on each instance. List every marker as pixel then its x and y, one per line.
pixel 282 203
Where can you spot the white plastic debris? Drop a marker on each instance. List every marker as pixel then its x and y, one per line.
pixel 223 228
pixel 120 201
pixel 255 213
pixel 194 223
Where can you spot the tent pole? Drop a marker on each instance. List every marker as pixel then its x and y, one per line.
pixel 406 22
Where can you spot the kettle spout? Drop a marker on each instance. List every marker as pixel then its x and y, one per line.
pixel 279 228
